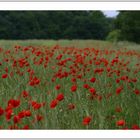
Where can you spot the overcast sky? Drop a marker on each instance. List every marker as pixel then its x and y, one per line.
pixel 111 13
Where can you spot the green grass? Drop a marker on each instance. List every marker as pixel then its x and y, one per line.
pixel 102 112
pixel 70 43
pixel 77 43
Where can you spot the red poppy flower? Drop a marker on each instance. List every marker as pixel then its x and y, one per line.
pixel 36 105
pixel 118 90
pixel 73 88
pixel 6 69
pixel 135 127
pixel 53 103
pixel 9 114
pixel 117 80
pixel 136 91
pixel 57 87
pixel 25 94
pixel 120 123
pixel 26 127
pixel 34 81
pixel 28 113
pixel 16 119
pixel 86 86
pixel 21 114
pixel 92 90
pixel 14 103
pixel 59 57
pixel 86 120
pixel 60 97
pixel 4 76
pixel 93 80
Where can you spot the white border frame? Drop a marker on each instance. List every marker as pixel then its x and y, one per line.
pixel 69 6
pixel 69 0
pixel 69 134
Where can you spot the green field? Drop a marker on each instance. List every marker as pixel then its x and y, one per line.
pixel 69 84
pixel 69 43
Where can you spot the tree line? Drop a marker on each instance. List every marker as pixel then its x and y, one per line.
pixel 69 25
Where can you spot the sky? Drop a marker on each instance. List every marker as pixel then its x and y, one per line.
pixel 111 13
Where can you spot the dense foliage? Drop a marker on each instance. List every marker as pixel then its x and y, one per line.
pixel 129 24
pixel 53 25
pixel 69 25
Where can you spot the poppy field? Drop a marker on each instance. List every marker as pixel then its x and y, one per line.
pixel 69 86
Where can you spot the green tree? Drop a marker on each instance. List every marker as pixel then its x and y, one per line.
pixel 129 24
pixel 53 25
